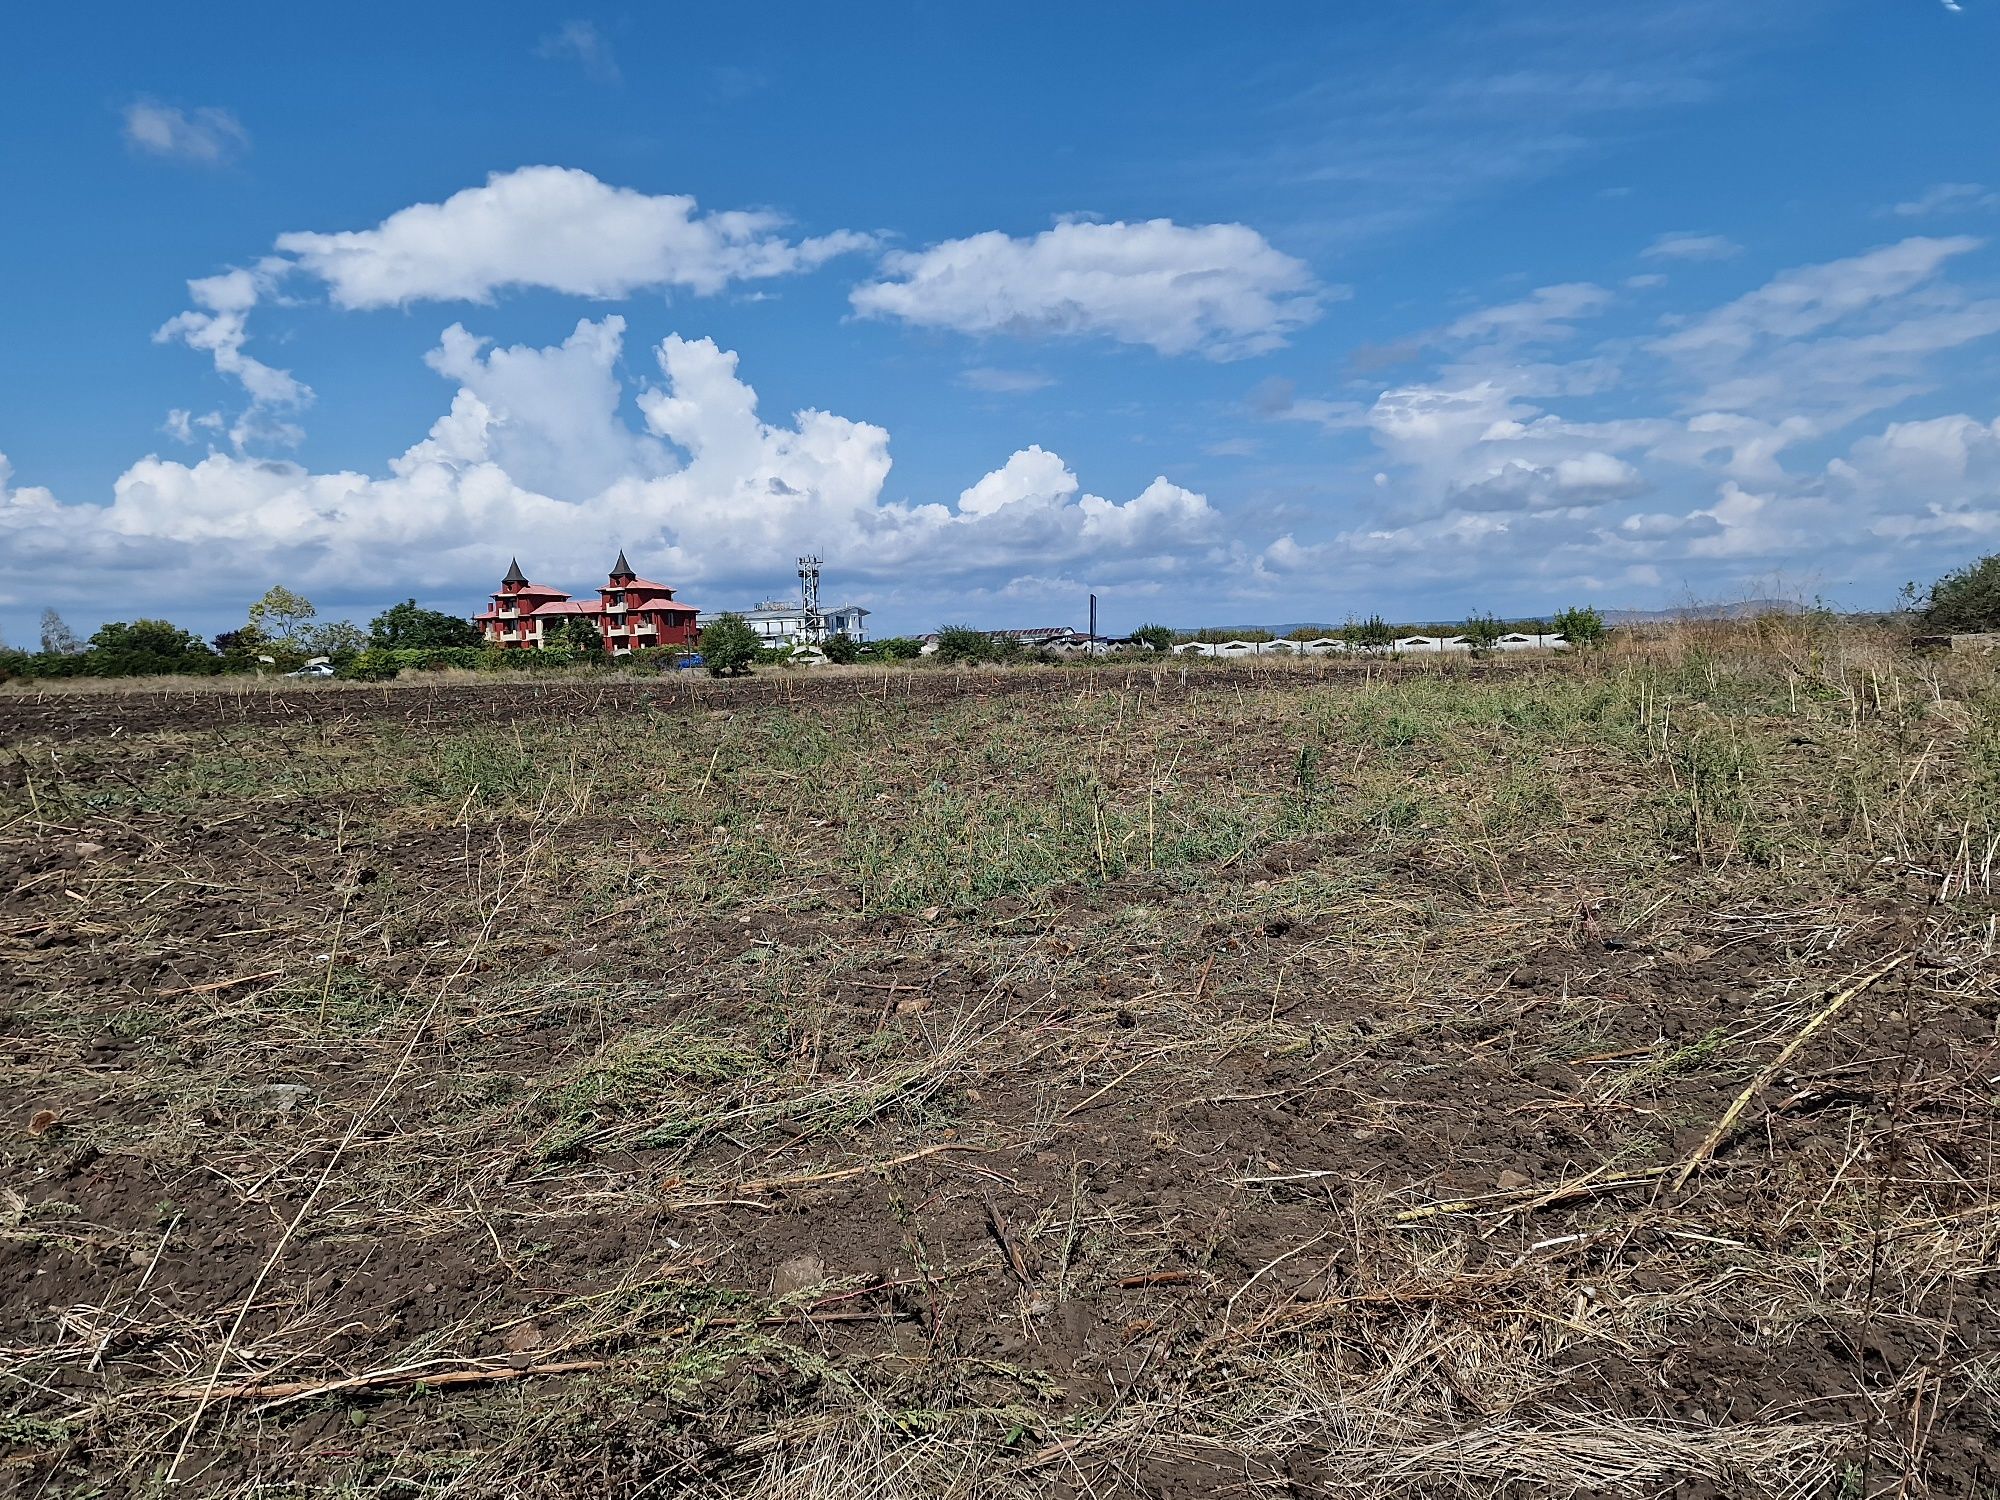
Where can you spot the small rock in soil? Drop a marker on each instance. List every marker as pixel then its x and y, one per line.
pixel 797 1273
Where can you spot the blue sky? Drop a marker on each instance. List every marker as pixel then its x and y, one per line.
pixel 1233 316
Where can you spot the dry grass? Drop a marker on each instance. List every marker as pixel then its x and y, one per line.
pixel 1408 1082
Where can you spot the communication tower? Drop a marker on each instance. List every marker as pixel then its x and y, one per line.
pixel 815 623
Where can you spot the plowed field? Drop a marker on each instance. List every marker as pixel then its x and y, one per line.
pixel 1573 1081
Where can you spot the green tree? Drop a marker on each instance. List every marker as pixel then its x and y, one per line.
pixel 339 641
pixel 1482 633
pixel 281 615
pixel 1371 634
pixel 1966 601
pixel 149 648
pixel 1154 637
pixel 57 638
pixel 895 648
pixel 841 650
pixel 728 645
pixel 1580 625
pixel 242 649
pixel 580 634
pixel 409 626
pixel 963 645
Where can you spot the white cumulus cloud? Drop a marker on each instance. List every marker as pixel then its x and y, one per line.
pixel 534 458
pixel 1218 289
pixel 556 228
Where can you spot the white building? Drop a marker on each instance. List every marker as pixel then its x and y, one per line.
pixel 1330 646
pixel 780 622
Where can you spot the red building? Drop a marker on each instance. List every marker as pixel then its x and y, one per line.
pixel 629 611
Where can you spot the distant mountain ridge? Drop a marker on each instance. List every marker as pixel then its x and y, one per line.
pixel 1747 609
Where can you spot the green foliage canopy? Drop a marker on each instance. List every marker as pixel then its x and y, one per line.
pixel 579 634
pixel 728 645
pixel 1482 632
pixel 409 626
pixel 281 615
pixel 1966 601
pixel 1580 625
pixel 965 647
pixel 148 648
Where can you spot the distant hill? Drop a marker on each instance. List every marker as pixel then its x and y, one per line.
pixel 1747 609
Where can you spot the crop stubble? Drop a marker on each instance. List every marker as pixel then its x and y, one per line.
pixel 1073 1082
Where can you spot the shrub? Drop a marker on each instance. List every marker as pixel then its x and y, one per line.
pixel 1216 636
pixel 841 650
pixel 378 664
pixel 963 645
pixel 1967 600
pixel 374 665
pixel 895 648
pixel 1153 638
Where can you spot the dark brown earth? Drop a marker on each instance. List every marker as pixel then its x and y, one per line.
pixel 1342 1098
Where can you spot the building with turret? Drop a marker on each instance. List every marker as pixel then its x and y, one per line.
pixel 630 613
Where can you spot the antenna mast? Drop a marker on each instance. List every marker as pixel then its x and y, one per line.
pixel 815 625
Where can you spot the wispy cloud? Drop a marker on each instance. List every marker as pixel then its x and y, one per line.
pixel 1463 107
pixel 206 137
pixel 1948 198
pixel 583 43
pixel 1547 313
pixel 1687 246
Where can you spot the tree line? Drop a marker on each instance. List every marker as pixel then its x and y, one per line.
pixel 281 632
